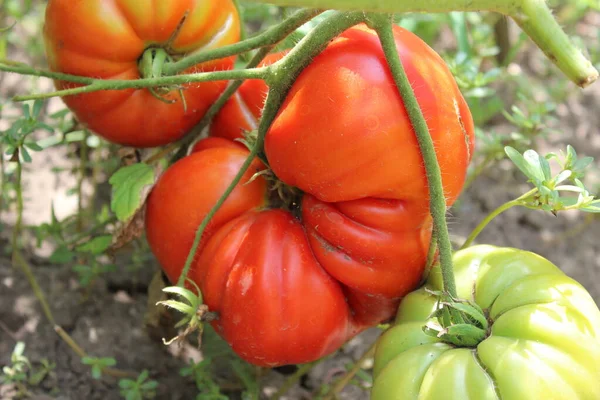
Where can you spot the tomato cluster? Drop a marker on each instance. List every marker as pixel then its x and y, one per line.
pixel 292 282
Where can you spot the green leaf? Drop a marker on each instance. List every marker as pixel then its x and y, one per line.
pixel 33 146
pixel 538 165
pixel 593 207
pixel 96 371
pixel 129 184
pixel 190 296
pixel 179 306
pixel 96 246
pixel 25 154
pixel 126 383
pixel 62 255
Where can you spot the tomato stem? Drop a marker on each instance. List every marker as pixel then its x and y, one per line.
pixel 533 16
pixel 517 202
pixel 383 25
pixel 282 76
pixel 270 37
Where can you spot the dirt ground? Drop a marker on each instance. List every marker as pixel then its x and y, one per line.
pixel 108 320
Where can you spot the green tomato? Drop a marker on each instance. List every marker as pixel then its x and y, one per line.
pixel 543 341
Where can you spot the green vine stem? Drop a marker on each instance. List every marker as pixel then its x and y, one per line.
pixel 521 201
pixel 94 85
pixel 533 16
pixel 347 378
pixel 270 37
pixel 266 39
pixel 210 114
pixel 281 76
pixel 383 25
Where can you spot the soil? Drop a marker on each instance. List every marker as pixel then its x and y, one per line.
pixel 108 319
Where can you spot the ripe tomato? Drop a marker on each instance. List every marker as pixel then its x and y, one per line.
pixel 211 142
pixel 106 39
pixel 544 340
pixel 243 110
pixel 343 133
pixel 372 246
pixel 276 304
pixel 187 191
pixel 344 138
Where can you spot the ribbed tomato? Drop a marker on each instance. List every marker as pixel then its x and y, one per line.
pixel 106 39
pixel 276 303
pixel 343 136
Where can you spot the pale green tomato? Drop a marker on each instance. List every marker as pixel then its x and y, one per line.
pixel 543 341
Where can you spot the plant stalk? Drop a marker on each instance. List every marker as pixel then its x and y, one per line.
pixel 437 199
pixel 533 16
pixel 517 202
pixel 270 37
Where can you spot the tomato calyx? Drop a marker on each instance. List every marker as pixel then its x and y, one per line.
pixel 194 310
pixel 458 322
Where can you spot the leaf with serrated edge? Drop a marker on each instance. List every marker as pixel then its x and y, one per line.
pixel 131 185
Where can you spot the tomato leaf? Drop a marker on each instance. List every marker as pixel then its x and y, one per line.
pixel 131 185
pixel 62 255
pixel 97 245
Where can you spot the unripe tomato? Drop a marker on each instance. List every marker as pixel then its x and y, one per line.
pixel 106 39
pixel 543 341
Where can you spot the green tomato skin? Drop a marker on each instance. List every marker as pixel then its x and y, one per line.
pixel 543 342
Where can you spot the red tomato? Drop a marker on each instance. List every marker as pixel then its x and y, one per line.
pixel 243 110
pixel 371 246
pixel 276 304
pixel 106 38
pixel 344 138
pixel 343 133
pixel 187 191
pixel 212 142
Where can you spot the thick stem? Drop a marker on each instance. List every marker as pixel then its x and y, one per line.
pixel 269 37
pixel 282 74
pixel 210 114
pixel 534 17
pixel 437 199
pixel 95 85
pixel 517 202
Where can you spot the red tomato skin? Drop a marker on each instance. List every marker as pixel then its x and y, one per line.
pixel 243 110
pixel 105 39
pixel 187 191
pixel 343 133
pixel 212 142
pixel 276 305
pixel 375 247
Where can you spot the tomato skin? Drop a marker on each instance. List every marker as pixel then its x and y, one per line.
pixel 367 245
pixel 243 110
pixel 277 306
pixel 187 191
pixel 212 142
pixel 105 39
pixel 345 106
pixel 544 340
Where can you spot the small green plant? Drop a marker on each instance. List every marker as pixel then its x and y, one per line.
pixel 202 375
pixel 22 374
pixel 138 389
pixel 98 365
